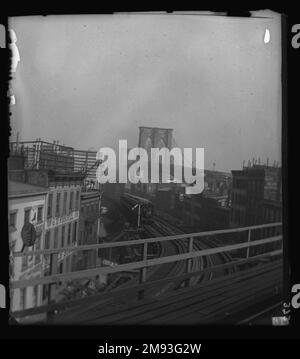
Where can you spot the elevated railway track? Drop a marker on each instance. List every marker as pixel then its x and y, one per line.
pixel 254 275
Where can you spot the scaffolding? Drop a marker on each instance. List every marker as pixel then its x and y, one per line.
pixel 42 155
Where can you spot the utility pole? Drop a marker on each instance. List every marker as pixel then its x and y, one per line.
pixel 139 213
pixel 139 216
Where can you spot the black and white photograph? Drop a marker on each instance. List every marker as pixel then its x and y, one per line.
pixel 144 177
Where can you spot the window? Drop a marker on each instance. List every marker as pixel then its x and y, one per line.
pixel 25 260
pixel 37 246
pixel 23 298
pixel 24 263
pixel 55 238
pixel 35 296
pixel 12 219
pixel 57 208
pixel 27 215
pixel 60 268
pixel 49 210
pixel 47 261
pixel 69 233
pixel 65 202
pixel 63 235
pixel 74 232
pixel 30 258
pixel 47 240
pixel 68 264
pixel 71 202
pixel 272 217
pixel 77 201
pixel 40 214
pixel 45 291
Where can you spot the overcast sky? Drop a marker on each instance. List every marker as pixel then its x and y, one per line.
pixel 89 81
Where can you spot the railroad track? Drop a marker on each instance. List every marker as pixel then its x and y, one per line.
pixel 161 226
pixel 157 229
pixel 165 226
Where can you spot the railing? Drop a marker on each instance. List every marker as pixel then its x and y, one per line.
pixel 144 263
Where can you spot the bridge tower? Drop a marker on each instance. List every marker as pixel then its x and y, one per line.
pixel 155 137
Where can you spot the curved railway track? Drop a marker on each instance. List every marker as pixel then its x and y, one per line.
pixel 161 227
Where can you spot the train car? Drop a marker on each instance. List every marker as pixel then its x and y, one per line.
pixel 131 204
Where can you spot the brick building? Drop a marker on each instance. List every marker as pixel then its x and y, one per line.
pixel 256 196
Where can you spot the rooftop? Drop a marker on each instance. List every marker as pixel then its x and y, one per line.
pixel 20 189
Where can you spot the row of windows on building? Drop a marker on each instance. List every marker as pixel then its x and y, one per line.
pixel 244 200
pixel 23 297
pixel 63 236
pixel 252 185
pixel 89 208
pixel 61 208
pixel 30 261
pixel 13 216
pixel 45 291
pixel 60 269
pixel 60 265
pixel 272 214
pixel 88 234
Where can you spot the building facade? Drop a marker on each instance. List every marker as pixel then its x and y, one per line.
pixel 255 192
pixel 61 225
pixel 206 212
pixel 26 204
pixel 89 227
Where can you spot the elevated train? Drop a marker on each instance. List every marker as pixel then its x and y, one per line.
pixel 131 204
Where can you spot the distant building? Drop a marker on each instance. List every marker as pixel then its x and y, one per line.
pixel 113 191
pixel 272 211
pixel 42 155
pixel 199 212
pixel 217 182
pixel 206 212
pixel 26 204
pixel 256 196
